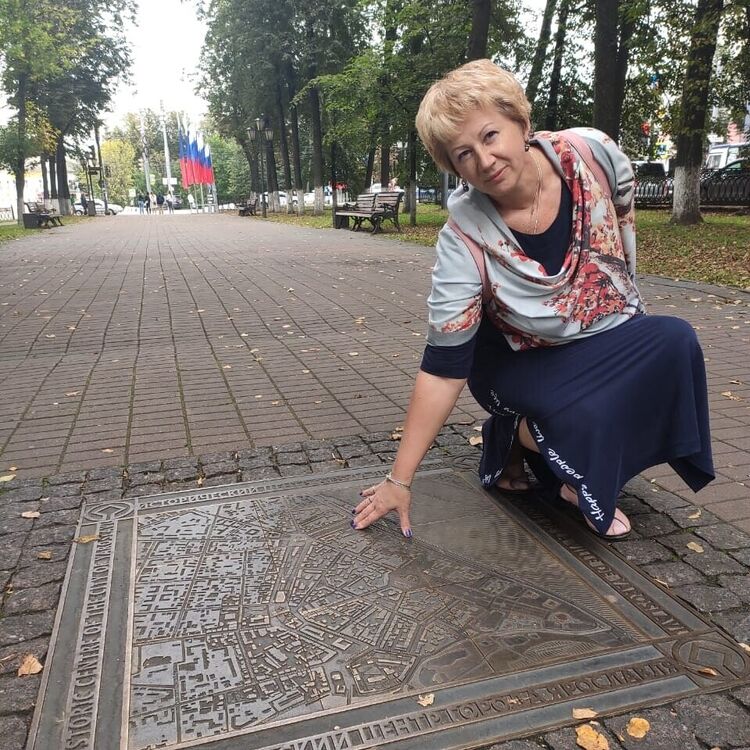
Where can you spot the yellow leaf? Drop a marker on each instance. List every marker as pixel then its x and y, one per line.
pixel 426 700
pixel 29 665
pixel 708 671
pixel 31 514
pixel 396 436
pixel 227 367
pixel 12 468
pixel 86 539
pixel 199 481
pixel 475 440
pixel 477 427
pixel 7 477
pixel 695 515
pixel 584 713
pixel 695 547
pixel 107 450
pixel 638 727
pixel 44 556
pixel 354 354
pixel 745 647
pixel 730 396
pixel 589 739
pixel 73 393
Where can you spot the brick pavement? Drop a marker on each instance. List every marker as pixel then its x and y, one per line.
pixel 125 371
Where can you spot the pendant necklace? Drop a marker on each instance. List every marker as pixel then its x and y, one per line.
pixel 534 215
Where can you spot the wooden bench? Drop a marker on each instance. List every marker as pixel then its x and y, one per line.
pixel 250 207
pixel 372 207
pixel 43 216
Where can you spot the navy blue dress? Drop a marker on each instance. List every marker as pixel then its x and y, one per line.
pixel 601 409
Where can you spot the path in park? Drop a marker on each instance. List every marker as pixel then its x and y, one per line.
pixel 131 339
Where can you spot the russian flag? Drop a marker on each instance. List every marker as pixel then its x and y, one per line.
pixel 186 167
pixel 209 166
pixel 193 159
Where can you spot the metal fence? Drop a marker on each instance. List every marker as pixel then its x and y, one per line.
pixel 717 189
pixel 7 213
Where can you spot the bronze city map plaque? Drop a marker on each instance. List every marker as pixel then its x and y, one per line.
pixel 252 616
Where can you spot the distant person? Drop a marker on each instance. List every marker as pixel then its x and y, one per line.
pixel 169 200
pixel 141 203
pixel 84 203
pixel 147 202
pixel 191 202
pixel 160 203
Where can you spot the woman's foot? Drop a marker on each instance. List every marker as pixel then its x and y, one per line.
pixel 514 479
pixel 618 529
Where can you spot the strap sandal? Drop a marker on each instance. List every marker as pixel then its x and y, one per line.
pixel 618 530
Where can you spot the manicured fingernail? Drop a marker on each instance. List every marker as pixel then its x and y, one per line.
pixel 408 534
pixel 353 525
pixel 361 494
pixel 354 510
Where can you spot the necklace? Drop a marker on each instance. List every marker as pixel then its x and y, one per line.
pixel 534 214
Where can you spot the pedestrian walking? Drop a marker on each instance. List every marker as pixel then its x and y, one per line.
pixel 534 304
pixel 160 203
pixel 170 203
pixel 141 203
pixel 147 202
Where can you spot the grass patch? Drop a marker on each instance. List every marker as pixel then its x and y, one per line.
pixel 11 230
pixel 716 251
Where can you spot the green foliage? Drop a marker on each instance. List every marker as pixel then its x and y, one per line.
pixel 231 169
pixel 119 156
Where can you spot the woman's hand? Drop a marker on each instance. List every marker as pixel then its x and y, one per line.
pixel 381 499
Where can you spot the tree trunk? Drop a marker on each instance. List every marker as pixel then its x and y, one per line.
pixel 605 67
pixel 63 192
pixel 550 120
pixel 19 163
pixel 481 10
pixel 45 177
pixel 691 126
pixel 627 27
pixel 370 165
pixel 284 147
pixel 334 180
pixel 294 121
pixel 540 53
pixel 53 180
pixel 317 128
pixel 272 178
pixel 412 187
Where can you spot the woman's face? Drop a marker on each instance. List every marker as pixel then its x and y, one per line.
pixel 488 152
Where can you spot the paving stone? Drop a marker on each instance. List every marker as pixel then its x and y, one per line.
pixel 46 571
pixel 353 451
pixel 16 629
pixel 71 477
pixel 113 473
pixel 681 516
pixel 632 506
pixel 742 695
pixel 23 495
pixel 103 485
pixel 321 454
pixel 180 462
pixel 18 694
pixel 144 467
pixel 13 523
pixel 712 562
pixel 674 573
pixel 150 477
pixel 384 446
pixel 451 439
pixel 50 535
pixel 325 466
pixel 708 598
pixel 10 550
pixel 291 459
pixel 643 552
pixel 29 556
pixel 314 445
pixel 65 490
pixel 652 525
pixel 55 503
pixel 220 479
pixel 679 543
pixel 103 497
pixel 565 739
pixel 256 475
pixel 180 474
pixel 13 730
pixel 288 448
pixel 217 457
pixel 354 463
pixel 37 599
pixel 742 556
pixel 339 442
pixel 5 578
pixel 715 720
pixel 12 656
pixel 49 518
pixel 294 470
pixel 739 585
pixel 518 745
pixel 725 536
pixel 219 468
pixel 376 437
pixel 667 731
pixel 143 490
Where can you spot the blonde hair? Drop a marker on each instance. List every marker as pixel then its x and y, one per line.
pixel 476 85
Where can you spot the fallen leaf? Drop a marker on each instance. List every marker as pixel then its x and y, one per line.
pixel 584 713
pixel 709 671
pixel 745 647
pixel 12 468
pixel 396 436
pixel 291 289
pixel 638 727
pixel 73 393
pixel 108 450
pixel 695 547
pixel 29 665
pixel 49 335
pixel 227 367
pixel 199 481
pixel 476 440
pixel 201 310
pixel 7 477
pixel 87 538
pixel 44 556
pixel 731 396
pixel 354 354
pixel 477 427
pixel 663 583
pixel 736 382
pixel 695 515
pixel 31 514
pixel 589 739
pixel 426 700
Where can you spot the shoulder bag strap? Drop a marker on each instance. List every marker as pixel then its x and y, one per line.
pixel 584 151
pixel 478 255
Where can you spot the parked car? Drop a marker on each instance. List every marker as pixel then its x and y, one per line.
pixel 112 208
pixel 652 186
pixel 727 186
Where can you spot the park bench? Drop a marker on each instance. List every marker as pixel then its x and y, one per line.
pixel 373 207
pixel 249 208
pixel 40 216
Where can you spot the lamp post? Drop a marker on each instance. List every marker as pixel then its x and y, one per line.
pixel 262 135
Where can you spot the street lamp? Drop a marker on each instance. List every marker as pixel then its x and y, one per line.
pixel 262 133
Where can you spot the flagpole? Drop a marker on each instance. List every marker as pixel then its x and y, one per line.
pixel 167 159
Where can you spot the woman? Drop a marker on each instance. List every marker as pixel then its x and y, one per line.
pixel 578 380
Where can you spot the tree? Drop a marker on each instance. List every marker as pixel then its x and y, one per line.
pixel 691 127
pixel 120 157
pixel 481 11
pixel 540 52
